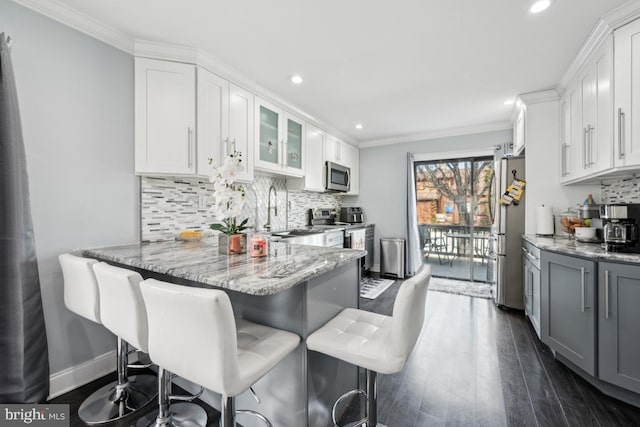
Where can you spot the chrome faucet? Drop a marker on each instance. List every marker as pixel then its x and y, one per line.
pixel 267 226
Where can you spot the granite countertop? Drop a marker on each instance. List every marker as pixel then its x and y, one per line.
pixel 586 250
pixel 286 266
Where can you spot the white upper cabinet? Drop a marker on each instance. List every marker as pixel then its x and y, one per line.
pixel 627 95
pixel 351 159
pixel 294 145
pixel 518 132
pixel 165 121
pixel 241 123
pixel 332 150
pixel 595 83
pixel 213 119
pixel 314 165
pixel 569 109
pixel 225 124
pixel 279 140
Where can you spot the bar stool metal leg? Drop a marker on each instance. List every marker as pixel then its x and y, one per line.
pixel 172 415
pixel 228 412
pixel 372 399
pixel 118 399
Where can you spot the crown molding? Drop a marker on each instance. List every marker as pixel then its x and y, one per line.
pixel 443 133
pixel 623 14
pixel 80 22
pixel 191 55
pixel 605 26
pixel 531 98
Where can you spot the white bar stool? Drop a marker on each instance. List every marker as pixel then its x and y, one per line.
pixel 124 313
pixel 377 343
pixel 193 333
pixel 124 396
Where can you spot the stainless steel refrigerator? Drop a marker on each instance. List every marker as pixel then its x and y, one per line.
pixel 507 231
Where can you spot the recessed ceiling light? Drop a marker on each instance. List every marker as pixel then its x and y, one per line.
pixel 539 6
pixel 359 126
pixel 508 102
pixel 296 79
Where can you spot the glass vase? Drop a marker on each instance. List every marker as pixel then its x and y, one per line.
pixel 232 244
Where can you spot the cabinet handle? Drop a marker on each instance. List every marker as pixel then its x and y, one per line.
pixel 282 152
pixel 584 146
pixel 563 155
pixel 226 146
pixel 531 284
pixel 189 134
pixel 620 131
pixel 582 286
pixel 591 129
pixel 233 143
pixel 606 294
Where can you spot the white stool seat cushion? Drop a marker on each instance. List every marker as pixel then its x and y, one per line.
pixel 260 348
pixel 373 341
pixel 360 338
pixel 193 333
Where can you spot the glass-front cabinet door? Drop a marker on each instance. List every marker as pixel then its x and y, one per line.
pixel 268 135
pixel 294 145
pixel 279 140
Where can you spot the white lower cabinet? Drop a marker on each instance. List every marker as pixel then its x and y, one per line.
pixel 165 117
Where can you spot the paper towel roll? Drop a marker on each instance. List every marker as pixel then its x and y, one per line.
pixel 544 221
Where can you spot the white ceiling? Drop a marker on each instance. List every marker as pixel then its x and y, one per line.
pixel 406 67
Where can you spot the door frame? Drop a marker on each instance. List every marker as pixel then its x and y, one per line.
pixel 472 155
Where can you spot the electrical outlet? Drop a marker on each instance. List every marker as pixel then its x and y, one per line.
pixel 202 202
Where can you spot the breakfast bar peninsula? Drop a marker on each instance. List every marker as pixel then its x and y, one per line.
pixel 296 288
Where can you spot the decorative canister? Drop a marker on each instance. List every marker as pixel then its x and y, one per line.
pixel 258 245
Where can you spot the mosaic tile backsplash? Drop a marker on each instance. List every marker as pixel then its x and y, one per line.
pixel 170 205
pixel 626 190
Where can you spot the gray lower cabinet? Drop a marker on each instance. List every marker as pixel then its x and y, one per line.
pixel 619 325
pixel 568 308
pixel 531 283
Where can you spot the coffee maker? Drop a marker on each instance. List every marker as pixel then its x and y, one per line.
pixel 620 227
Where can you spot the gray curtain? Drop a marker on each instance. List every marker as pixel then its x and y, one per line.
pixel 414 251
pixel 24 361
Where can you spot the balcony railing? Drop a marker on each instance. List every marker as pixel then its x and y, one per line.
pixel 451 241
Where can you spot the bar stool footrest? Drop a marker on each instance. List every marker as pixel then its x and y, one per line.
pixel 254 414
pixel 349 394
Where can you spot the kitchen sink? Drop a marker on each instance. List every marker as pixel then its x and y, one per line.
pixel 295 232
pixel 302 236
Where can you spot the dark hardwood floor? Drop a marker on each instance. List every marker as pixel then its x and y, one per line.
pixel 474 365
pixel 74 399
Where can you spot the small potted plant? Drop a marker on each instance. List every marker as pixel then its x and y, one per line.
pixel 229 199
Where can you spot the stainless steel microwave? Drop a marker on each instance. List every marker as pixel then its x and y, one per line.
pixel 337 178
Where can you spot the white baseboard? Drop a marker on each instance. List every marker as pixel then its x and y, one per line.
pixel 76 376
pixel 71 378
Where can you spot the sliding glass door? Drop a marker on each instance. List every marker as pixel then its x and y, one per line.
pixel 453 208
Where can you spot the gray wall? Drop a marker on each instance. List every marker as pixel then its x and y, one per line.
pixel 76 100
pixel 383 177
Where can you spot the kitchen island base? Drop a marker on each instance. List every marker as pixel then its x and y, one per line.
pixel 300 390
